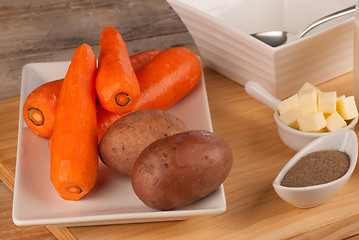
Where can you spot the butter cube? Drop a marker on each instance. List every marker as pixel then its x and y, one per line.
pixel 312 122
pixel 340 98
pixel 308 86
pixel 347 108
pixel 327 102
pixel 335 122
pixel 290 117
pixel 287 104
pixel 308 101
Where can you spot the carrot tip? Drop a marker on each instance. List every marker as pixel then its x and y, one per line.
pixel 122 99
pixel 74 189
pixel 36 116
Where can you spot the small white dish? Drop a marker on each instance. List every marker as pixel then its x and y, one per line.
pixel 222 32
pixel 291 137
pixel 112 200
pixel 312 196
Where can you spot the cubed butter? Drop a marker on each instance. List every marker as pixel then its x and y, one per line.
pixel 347 108
pixel 312 122
pixel 335 122
pixel 338 99
pixel 308 86
pixel 287 104
pixel 308 101
pixel 341 97
pixel 290 118
pixel 327 102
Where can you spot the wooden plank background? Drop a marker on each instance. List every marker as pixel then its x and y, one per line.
pixel 46 30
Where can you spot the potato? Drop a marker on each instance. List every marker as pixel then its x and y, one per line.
pixel 178 170
pixel 128 136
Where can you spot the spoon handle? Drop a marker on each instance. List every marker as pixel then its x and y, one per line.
pixel 329 17
pixel 258 92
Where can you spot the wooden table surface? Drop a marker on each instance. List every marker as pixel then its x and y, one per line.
pixel 36 31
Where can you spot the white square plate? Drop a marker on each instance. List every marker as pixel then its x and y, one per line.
pixel 112 200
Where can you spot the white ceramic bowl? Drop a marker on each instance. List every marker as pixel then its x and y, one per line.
pixel 311 196
pixel 221 30
pixel 291 137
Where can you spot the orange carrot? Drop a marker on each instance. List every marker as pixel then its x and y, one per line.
pixel 74 148
pixel 116 83
pixel 167 78
pixel 40 108
pixel 141 58
pixel 104 120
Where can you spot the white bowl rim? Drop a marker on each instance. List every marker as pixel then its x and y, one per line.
pixel 185 5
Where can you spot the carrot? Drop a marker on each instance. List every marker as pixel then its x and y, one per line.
pixel 116 83
pixel 40 108
pixel 167 78
pixel 104 120
pixel 74 148
pixel 141 58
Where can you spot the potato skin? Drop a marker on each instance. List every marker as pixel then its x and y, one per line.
pixel 178 170
pixel 125 139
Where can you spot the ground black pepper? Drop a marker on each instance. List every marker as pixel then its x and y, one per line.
pixel 317 168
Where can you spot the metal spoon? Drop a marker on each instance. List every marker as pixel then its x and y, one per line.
pixel 278 38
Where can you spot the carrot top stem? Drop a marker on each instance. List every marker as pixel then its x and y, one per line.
pixel 36 116
pixel 122 99
pixel 74 189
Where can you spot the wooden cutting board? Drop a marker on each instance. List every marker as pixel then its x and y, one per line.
pixel 254 211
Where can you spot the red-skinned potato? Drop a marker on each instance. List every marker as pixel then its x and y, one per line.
pixel 178 170
pixel 125 139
